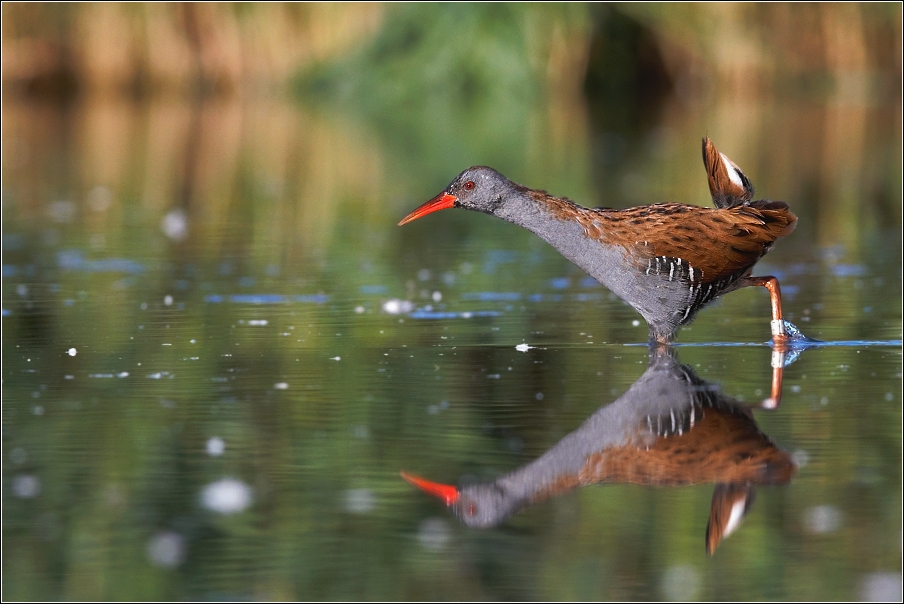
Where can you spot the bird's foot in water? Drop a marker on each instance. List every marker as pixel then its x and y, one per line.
pixel 788 342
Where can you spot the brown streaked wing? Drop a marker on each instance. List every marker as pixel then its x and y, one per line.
pixel 718 242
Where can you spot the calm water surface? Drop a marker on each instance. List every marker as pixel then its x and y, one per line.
pixel 218 355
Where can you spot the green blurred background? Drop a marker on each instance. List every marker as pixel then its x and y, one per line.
pixel 156 156
pixel 601 103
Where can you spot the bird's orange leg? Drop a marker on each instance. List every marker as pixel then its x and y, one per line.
pixel 779 337
pixel 775 296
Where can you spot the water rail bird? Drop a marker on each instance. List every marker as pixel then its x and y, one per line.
pixel 667 260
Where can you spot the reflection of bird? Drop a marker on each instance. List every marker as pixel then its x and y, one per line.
pixel 666 260
pixel 670 428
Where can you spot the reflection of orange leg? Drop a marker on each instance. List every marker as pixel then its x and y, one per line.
pixel 775 395
pixel 775 296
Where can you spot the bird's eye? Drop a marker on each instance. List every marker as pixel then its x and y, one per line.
pixel 469 185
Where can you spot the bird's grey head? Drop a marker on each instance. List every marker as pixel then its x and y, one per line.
pixel 478 188
pixel 484 505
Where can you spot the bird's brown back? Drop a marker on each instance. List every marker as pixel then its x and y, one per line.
pixel 717 242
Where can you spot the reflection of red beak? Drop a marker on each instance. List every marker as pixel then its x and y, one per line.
pixel 442 201
pixel 447 493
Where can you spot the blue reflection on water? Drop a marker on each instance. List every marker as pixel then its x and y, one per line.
pixel 434 314
pixel 266 299
pixel 848 270
pixel 491 296
pixel 74 260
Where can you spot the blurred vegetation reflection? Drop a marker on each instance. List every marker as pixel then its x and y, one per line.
pixel 218 351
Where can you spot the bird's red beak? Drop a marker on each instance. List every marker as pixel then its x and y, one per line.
pixel 442 201
pixel 447 493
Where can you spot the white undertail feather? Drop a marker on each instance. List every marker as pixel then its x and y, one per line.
pixel 734 519
pixel 733 171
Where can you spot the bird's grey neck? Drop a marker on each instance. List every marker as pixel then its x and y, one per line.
pixel 551 220
pixel 558 222
pixel 534 215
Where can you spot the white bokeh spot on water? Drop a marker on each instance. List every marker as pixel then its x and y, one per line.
pixel 166 549
pixel 433 534
pixel 395 306
pixel 359 501
pixel 801 458
pixel 175 225
pixel 72 352
pixel 822 519
pixel 681 583
pixel 226 496
pixel 26 486
pixel 215 446
pixel 881 587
